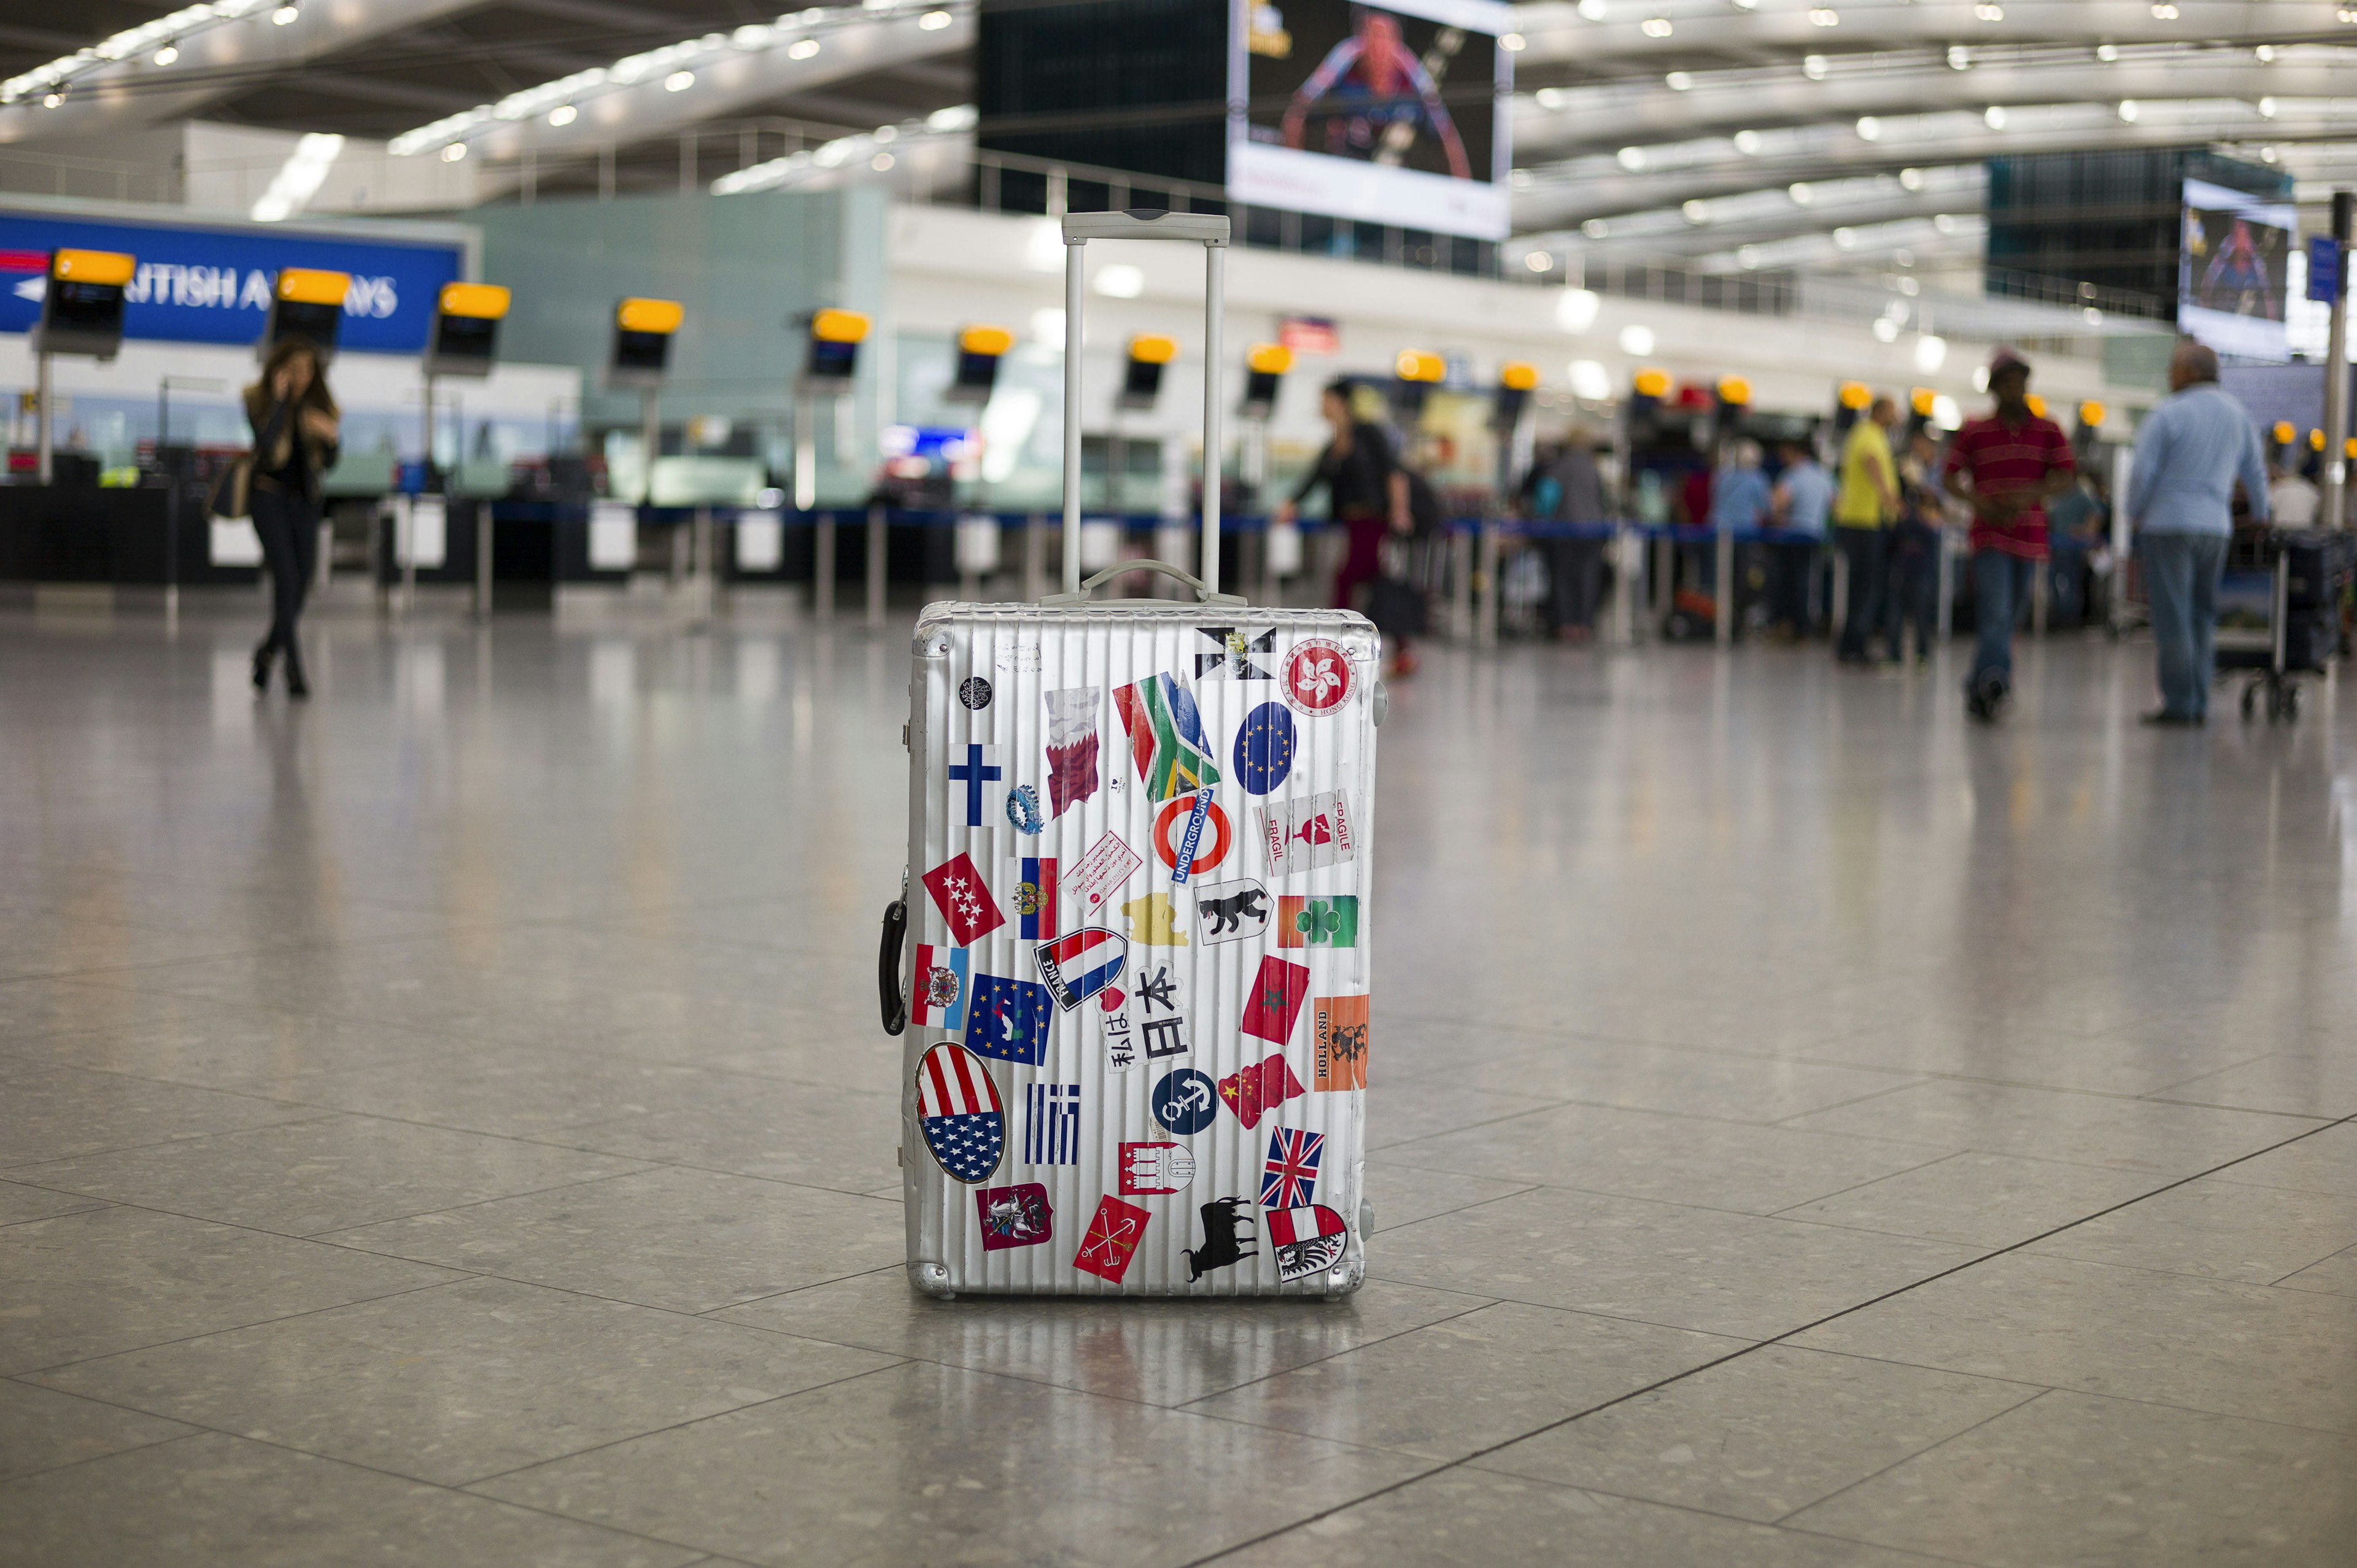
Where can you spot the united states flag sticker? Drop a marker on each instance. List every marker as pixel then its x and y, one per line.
pixel 1308 1240
pixel 1077 967
pixel 958 1107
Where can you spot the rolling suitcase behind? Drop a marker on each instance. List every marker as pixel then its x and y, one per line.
pixel 1132 953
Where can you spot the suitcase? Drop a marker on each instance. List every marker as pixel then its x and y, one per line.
pixel 1131 952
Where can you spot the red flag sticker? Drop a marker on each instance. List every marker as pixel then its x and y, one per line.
pixel 1262 1087
pixel 964 900
pixel 1112 1239
pixel 1275 1000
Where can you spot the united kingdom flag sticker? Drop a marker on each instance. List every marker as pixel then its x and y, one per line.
pixel 1308 1240
pixel 959 1109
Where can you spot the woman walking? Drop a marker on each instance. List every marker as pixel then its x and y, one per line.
pixel 295 442
pixel 1369 495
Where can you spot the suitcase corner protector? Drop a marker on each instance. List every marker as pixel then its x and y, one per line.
pixel 1344 1278
pixel 933 1280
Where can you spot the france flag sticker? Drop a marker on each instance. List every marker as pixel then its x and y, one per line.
pixel 1077 967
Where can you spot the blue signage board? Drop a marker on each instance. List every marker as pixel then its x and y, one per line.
pixel 2323 268
pixel 213 285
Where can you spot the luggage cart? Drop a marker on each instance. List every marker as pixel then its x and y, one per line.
pixel 2307 578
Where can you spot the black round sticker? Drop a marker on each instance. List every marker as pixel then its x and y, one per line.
pixel 974 692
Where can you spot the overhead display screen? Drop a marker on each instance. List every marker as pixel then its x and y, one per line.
pixel 2231 275
pixel 1394 114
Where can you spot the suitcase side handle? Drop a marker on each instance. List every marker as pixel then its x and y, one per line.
pixel 888 967
pixel 1203 591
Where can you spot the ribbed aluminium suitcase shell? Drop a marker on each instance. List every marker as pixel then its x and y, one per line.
pixel 1138 929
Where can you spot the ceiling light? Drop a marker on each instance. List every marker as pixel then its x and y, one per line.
pixel 453 152
pixel 1913 178
pixel 2267 108
pixel 1656 27
pixel 1869 129
pixel 1510 42
pixel 1595 229
pixel 2347 13
pixel 1813 68
pixel 1885 329
pixel 1905 258
pixel 933 21
pixel 1747 142
pixel 1988 11
pixel 2163 11
pixel 1637 340
pixel 1993 116
pixel 1748 257
pixel 1696 211
pixel 1575 309
pixel 2266 154
pixel 679 82
pixel 2265 53
pixel 1906 285
pixel 2107 53
pixel 802 48
pixel 1631 158
pixel 1592 10
pixel 1931 353
pixel 1944 222
pixel 168 54
pixel 1539 261
pixel 1553 97
pixel 51 100
pixel 1823 17
pixel 1745 5
pixel 286 13
pixel 2128 110
pixel 1678 81
pixel 1800 194
pixel 1845 239
pixel 1959 58
pixel 563 114
pixel 1590 380
pixel 880 162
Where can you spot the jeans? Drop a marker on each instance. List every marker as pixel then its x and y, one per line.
pixel 2000 590
pixel 289 530
pixel 1868 550
pixel 1575 567
pixel 1789 565
pixel 2181 578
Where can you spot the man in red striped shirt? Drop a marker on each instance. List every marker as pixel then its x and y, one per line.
pixel 2007 465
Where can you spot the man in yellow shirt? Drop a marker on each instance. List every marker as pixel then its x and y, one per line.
pixel 1864 508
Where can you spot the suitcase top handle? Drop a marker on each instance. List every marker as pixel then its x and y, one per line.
pixel 1203 591
pixel 1209 229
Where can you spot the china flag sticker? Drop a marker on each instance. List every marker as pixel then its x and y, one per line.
pixel 1112 1239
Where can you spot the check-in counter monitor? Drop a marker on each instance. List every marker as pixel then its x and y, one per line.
pixel 307 302
pixel 1418 373
pixel 466 334
pixel 643 329
pixel 1141 382
pixel 979 350
pixel 82 305
pixel 833 359
pixel 1516 380
pixel 1265 365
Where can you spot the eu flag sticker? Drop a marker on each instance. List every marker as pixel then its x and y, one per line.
pixel 1008 1019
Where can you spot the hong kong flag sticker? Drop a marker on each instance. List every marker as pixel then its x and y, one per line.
pixel 1317 679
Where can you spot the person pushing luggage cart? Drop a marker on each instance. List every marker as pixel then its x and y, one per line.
pixel 1133 948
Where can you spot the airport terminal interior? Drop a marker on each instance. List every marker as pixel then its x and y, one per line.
pixel 1727 935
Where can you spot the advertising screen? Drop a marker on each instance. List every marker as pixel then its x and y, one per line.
pixel 2232 279
pixel 1390 113
pixel 197 285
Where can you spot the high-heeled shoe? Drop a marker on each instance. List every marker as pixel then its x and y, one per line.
pixel 262 658
pixel 295 685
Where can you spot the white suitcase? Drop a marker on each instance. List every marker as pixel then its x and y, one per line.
pixel 1133 945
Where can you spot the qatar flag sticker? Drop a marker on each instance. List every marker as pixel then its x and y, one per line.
pixel 1308 1240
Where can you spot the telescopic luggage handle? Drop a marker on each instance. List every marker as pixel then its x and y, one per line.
pixel 1209 229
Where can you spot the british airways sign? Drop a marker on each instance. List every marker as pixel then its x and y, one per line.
pixel 213 285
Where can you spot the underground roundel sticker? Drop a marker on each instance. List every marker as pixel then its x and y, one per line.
pixel 1317 679
pixel 958 1107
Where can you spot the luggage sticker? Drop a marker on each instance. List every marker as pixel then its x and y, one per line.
pixel 1051 1124
pixel 975 692
pixel 1253 1091
pixel 1153 921
pixel 1308 1240
pixel 959 1111
pixel 1223 1240
pixel 1230 912
pixel 1112 1239
pixel 1076 967
pixel 1339 1038
pixel 1195 811
pixel 1164 1036
pixel 1113 1024
pixel 1277 994
pixel 1186 1101
pixel 1155 1170
pixel 1266 743
pixel 937 988
pixel 1289 1178
pixel 1306 832
pixel 1235 653
pixel 963 899
pixel 977 776
pixel 1166 737
pixel 1072 746
pixel 1023 813
pixel 1317 679
pixel 1016 1216
pixel 1034 899
pixel 1318 922
pixel 1008 1019
pixel 1099 874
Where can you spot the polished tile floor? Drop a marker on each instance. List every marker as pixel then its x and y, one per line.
pixel 449 1125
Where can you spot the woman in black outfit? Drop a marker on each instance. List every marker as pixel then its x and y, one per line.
pixel 1369 492
pixel 295 442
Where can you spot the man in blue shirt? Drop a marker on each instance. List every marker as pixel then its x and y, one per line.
pixel 2191 450
pixel 1804 495
pixel 1738 497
